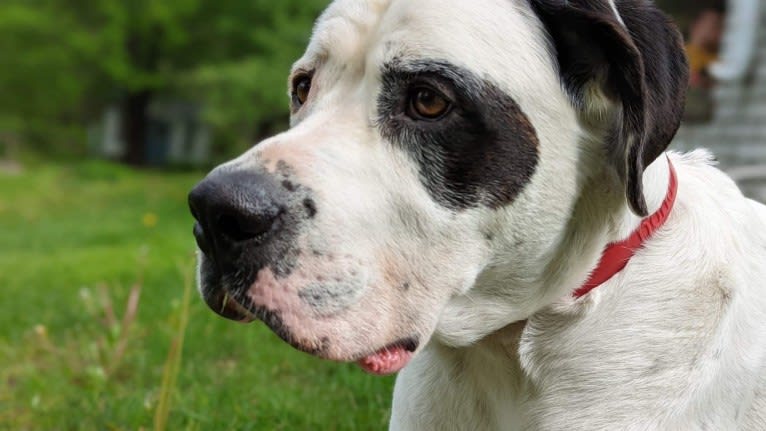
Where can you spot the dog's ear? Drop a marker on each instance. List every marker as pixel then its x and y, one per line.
pixel 633 54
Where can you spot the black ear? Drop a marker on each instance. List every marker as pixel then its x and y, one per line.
pixel 634 53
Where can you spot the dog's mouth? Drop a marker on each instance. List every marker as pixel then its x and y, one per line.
pixel 390 359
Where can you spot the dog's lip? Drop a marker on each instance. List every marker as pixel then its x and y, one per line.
pixel 231 307
pixel 218 296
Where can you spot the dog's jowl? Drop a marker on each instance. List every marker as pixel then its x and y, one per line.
pixel 477 196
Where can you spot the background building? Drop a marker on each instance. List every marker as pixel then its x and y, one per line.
pixel 175 134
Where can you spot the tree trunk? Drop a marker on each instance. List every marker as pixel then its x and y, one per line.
pixel 134 127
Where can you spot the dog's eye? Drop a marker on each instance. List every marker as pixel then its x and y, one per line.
pixel 301 89
pixel 427 103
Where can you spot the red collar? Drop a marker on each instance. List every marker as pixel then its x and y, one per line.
pixel 616 255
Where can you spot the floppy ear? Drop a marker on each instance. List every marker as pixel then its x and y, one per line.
pixel 633 53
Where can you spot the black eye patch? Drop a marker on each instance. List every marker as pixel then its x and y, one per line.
pixel 483 153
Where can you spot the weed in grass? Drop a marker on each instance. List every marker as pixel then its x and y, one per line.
pixel 113 342
pixel 91 359
pixel 173 361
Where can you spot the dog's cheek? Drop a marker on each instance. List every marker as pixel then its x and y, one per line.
pixel 378 257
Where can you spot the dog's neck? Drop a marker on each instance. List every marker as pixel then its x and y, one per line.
pixel 624 221
pixel 601 217
pixel 617 224
pixel 618 254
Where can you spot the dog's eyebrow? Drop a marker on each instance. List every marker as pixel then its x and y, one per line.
pixel 458 75
pixel 305 66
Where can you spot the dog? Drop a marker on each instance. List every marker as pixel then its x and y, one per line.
pixel 477 195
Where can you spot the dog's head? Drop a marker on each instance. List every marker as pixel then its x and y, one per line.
pixel 437 152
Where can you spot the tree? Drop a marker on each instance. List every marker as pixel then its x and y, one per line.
pixel 71 58
pixel 40 55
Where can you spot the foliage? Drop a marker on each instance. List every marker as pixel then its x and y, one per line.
pixel 248 87
pixel 78 243
pixel 39 93
pixel 65 60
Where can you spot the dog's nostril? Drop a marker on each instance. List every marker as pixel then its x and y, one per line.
pixel 199 235
pixel 193 202
pixel 239 228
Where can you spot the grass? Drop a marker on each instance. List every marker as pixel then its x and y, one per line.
pixel 100 328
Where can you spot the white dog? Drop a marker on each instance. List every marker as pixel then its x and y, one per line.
pixel 454 173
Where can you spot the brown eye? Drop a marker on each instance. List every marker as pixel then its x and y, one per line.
pixel 301 89
pixel 428 104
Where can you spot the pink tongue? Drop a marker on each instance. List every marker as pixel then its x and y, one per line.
pixel 386 361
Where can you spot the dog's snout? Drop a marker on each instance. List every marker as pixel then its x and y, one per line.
pixel 234 208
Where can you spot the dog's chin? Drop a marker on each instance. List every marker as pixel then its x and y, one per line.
pixel 224 301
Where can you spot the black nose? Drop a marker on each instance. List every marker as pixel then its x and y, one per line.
pixel 232 209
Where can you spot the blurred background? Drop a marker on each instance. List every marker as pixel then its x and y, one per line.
pixel 111 110
pixel 726 103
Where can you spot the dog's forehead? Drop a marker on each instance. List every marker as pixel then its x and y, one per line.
pixel 488 35
pixel 344 27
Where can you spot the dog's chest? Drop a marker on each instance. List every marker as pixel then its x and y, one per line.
pixel 612 370
pixel 478 389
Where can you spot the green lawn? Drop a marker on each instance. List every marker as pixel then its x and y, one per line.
pixel 75 241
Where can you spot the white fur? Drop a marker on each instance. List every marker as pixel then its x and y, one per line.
pixel 616 12
pixel 676 341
